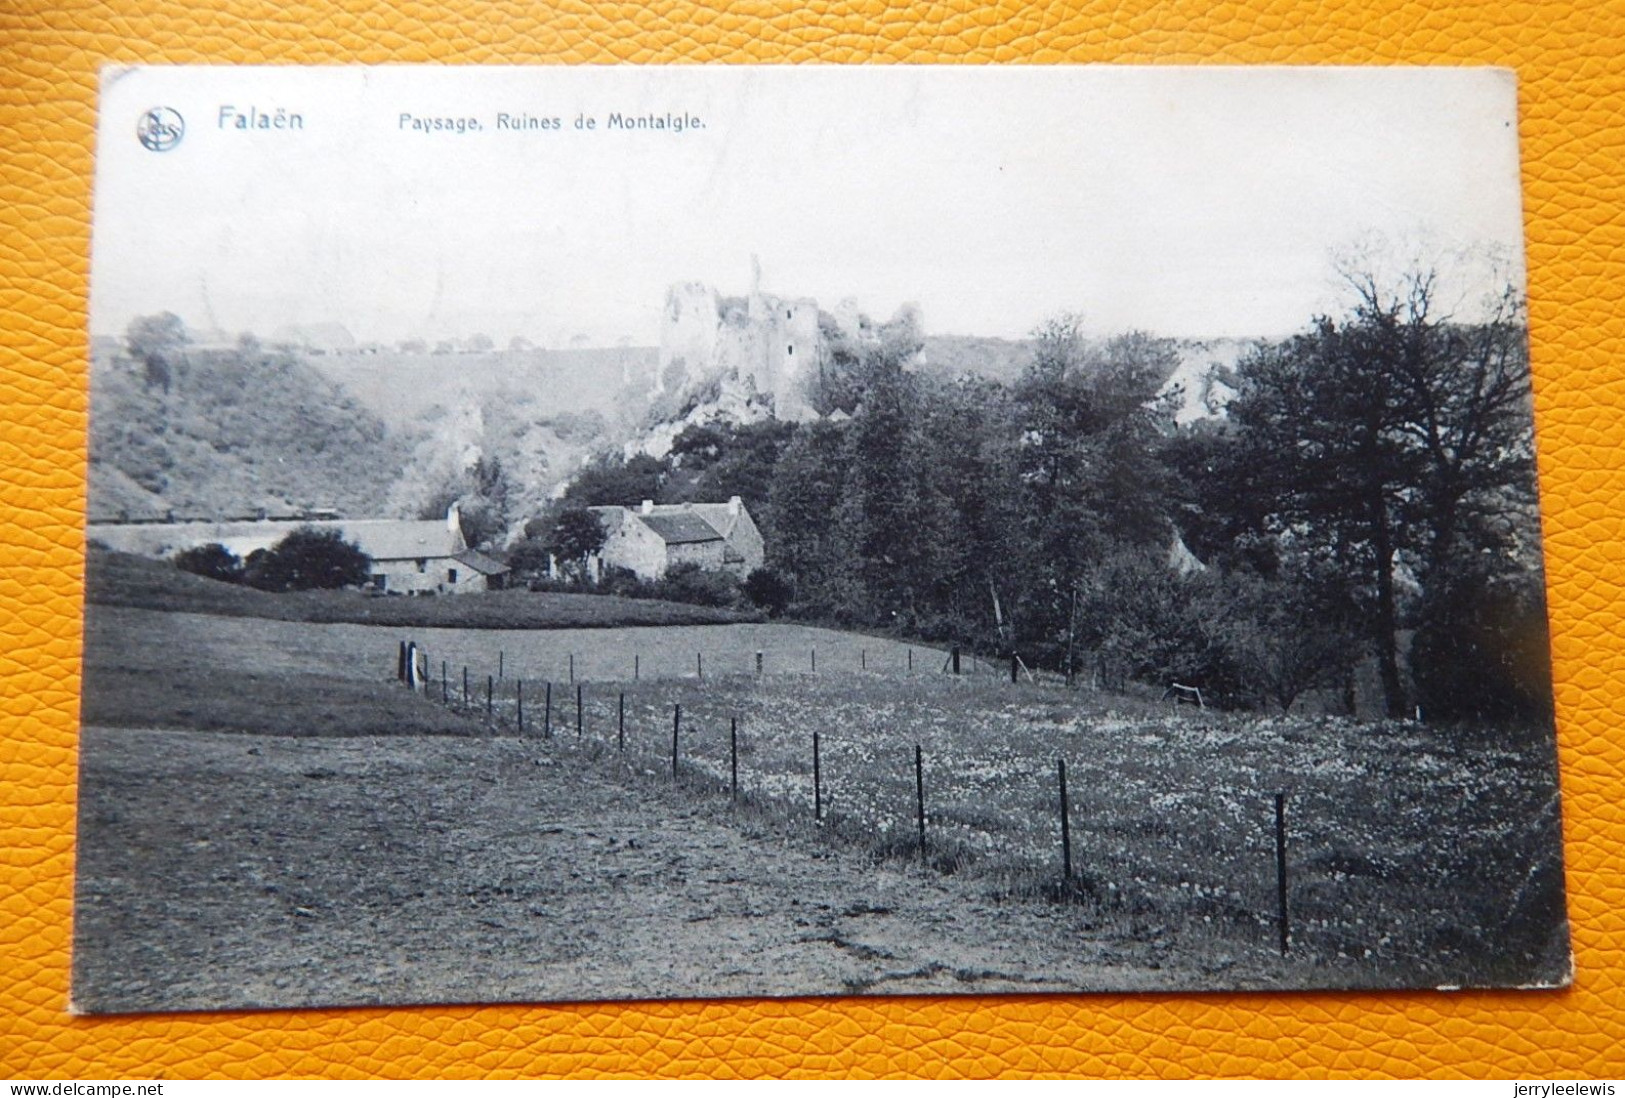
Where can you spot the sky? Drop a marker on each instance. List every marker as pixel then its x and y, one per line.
pixel 1190 202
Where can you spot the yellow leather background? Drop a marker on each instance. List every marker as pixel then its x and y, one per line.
pixel 1571 61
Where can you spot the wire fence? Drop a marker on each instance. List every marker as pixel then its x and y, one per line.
pixel 1240 860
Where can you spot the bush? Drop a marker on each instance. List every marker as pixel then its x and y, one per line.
pixel 213 561
pixel 309 559
pixel 1147 622
pixel 688 582
pixel 1483 653
pixel 624 582
pixel 769 590
pixel 529 559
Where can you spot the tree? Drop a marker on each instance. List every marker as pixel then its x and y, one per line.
pixel 1482 651
pixel 309 558
pixel 1320 420
pixel 480 492
pixel 615 480
pixel 213 561
pixel 1090 480
pixel 577 535
pixel 769 590
pixel 1396 437
pixel 156 342
pixel 1146 620
pixel 967 443
pixel 802 543
pixel 881 510
pixel 478 343
pixel 1288 634
pixel 529 558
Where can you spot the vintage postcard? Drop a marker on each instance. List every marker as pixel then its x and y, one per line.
pixel 633 533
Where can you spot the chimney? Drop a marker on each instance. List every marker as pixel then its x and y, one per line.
pixel 734 505
pixel 648 507
pixel 454 520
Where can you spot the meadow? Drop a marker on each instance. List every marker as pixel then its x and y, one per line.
pixel 1415 855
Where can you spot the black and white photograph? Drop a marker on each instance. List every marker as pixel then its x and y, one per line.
pixel 634 533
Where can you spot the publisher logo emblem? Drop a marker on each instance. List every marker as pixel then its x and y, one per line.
pixel 160 129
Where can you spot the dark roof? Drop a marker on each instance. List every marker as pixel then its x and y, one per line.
pixel 484 565
pixel 680 528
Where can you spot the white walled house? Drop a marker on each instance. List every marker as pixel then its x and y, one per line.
pixel 650 539
pixel 408 556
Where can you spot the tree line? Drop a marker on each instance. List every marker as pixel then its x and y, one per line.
pixel 1361 521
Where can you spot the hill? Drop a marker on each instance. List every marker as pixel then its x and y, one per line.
pixel 230 432
pixel 400 388
pixel 952 356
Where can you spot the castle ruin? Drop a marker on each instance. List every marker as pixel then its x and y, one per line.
pixel 768 343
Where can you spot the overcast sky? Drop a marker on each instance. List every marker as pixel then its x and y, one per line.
pixel 1190 202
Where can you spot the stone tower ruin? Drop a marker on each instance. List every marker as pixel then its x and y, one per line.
pixel 766 343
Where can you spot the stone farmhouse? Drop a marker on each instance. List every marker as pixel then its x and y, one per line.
pixel 651 539
pixel 428 557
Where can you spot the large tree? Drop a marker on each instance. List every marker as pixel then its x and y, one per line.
pixel 803 543
pixel 1394 439
pixel 309 558
pixel 576 535
pixel 1090 478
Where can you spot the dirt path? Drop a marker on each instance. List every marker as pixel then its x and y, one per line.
pixel 227 871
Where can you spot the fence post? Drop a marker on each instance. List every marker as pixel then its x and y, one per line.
pixel 521 704
pixel 1014 663
pixel 911 659
pixel 1280 870
pixel 814 661
pixel 620 731
pixel 919 795
pixel 502 664
pixel 465 687
pixel 733 757
pixel 572 667
pixel 489 684
pixel 636 660
pixel 445 686
pixel 578 710
pixel 676 722
pixel 400 664
pixel 699 665
pixel 954 656
pixel 758 663
pixel 863 659
pixel 1066 825
pixel 818 789
pixel 547 711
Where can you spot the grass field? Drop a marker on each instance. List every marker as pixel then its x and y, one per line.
pixel 1411 858
pixel 1414 857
